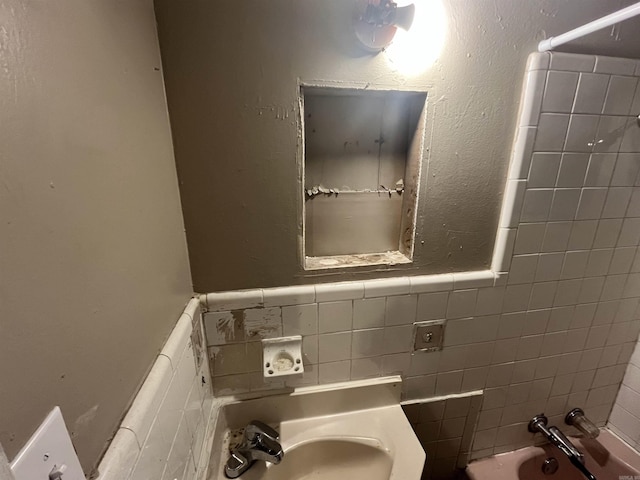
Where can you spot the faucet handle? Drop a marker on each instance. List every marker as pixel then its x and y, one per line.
pixel 578 419
pixel 257 427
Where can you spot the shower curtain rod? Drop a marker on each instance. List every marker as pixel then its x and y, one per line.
pixel 613 18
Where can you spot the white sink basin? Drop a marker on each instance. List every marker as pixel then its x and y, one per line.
pixel 355 431
pixel 328 459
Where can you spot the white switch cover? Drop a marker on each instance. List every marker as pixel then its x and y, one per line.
pixel 48 450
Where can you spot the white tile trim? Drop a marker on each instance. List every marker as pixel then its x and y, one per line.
pixel 233 300
pixel 121 456
pixel 174 346
pixel 132 438
pixel 5 469
pixel 145 406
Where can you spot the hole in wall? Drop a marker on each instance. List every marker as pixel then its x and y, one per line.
pixel 361 167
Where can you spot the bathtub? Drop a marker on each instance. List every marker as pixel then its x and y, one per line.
pixel 607 457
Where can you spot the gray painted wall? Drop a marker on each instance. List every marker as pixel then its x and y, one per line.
pixel 231 73
pixel 92 249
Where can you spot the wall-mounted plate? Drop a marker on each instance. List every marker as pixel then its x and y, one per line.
pixel 429 335
pixel 49 453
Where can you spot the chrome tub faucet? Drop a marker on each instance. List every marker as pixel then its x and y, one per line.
pixel 557 438
pixel 260 442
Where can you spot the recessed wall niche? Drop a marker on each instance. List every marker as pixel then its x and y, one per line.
pixel 362 154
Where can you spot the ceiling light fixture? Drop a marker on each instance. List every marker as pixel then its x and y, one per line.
pixel 410 32
pixel 376 22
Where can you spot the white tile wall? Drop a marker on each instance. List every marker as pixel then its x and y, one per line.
pixel 625 416
pixel 445 426
pixel 163 435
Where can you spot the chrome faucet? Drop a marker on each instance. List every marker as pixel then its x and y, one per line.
pixel 260 442
pixel 557 438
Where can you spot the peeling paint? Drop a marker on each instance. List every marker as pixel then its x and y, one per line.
pixel 262 322
pixel 83 421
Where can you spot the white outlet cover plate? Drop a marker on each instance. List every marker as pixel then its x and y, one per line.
pixel 48 449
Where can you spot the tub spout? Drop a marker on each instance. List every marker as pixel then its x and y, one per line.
pixel 580 466
pixel 559 439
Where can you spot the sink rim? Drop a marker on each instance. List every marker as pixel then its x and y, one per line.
pixel 372 442
pixel 350 410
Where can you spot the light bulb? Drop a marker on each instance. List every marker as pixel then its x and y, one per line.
pixel 413 51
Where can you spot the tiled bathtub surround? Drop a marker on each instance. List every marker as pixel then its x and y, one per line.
pixel 625 416
pixel 163 436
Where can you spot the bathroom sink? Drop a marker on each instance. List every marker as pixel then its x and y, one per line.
pixel 328 459
pixel 352 430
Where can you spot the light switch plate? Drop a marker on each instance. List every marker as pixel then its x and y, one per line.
pixel 48 449
pixel 428 335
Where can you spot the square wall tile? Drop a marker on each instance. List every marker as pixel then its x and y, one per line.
pixel 544 170
pixel 559 92
pixel 334 371
pixel 333 347
pixel 536 206
pixel 335 316
pixel 401 310
pixel 490 300
pixel 433 306
pixel 224 327
pixel 582 234
pixel 568 292
pixel 599 261
pixel 542 295
pixel 572 170
pixel 549 267
pixel 607 233
pixel 600 169
pixel 262 323
pixel 529 237
pixel 630 233
pixel 462 303
pixel 617 202
pixel 367 343
pixel 300 319
pixel 626 170
pixel 622 260
pixel 620 95
pixel 369 312
pixel 230 359
pixel 552 130
pixel 582 133
pixel 523 269
pixel 610 134
pixel 575 263
pixel 564 204
pixel 592 89
pixel 398 339
pixel 516 298
pixel 591 203
pixel 366 368
pixel 556 236
pixel 396 363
